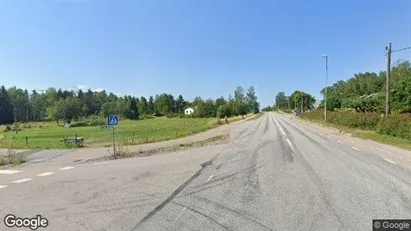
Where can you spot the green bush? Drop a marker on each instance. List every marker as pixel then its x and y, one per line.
pixel 92 120
pixel 143 117
pixel 396 125
pixel 348 119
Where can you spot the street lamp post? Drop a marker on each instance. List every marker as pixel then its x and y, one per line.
pixel 325 90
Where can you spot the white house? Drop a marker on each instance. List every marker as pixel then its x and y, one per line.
pixel 189 111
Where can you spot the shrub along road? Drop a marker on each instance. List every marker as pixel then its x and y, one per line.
pixel 274 174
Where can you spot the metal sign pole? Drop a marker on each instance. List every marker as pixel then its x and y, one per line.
pixel 114 142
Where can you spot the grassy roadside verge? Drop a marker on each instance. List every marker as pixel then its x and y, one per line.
pixel 367 134
pixel 48 135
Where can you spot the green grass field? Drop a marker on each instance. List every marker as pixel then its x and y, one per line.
pixel 48 135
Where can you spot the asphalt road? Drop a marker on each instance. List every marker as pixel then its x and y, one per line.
pixel 275 174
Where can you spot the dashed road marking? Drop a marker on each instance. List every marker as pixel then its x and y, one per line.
pixel 329 137
pixel 282 131
pixel 340 142
pixel 46 174
pixel 21 180
pixel 9 172
pixel 209 178
pixel 289 142
pixel 66 168
pixel 321 133
pixel 355 148
pixel 388 160
pixel 98 163
pixel 3 186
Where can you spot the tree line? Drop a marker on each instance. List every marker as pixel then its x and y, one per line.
pixel 18 105
pixel 364 92
pixel 296 101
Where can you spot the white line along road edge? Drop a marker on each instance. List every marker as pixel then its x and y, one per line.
pixel 66 168
pixel 3 186
pixel 46 174
pixel 388 160
pixel 9 172
pixel 21 180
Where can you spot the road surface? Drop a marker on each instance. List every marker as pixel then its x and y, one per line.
pixel 274 174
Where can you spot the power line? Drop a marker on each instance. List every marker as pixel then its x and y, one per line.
pixel 402 49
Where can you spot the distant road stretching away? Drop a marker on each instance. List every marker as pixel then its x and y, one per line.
pixel 274 174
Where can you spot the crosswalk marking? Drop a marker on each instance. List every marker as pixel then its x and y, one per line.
pixel 9 172
pixel 21 180
pixel 66 168
pixel 46 174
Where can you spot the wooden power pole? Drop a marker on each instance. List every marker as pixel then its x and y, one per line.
pixel 387 84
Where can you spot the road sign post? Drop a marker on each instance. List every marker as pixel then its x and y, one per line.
pixel 112 122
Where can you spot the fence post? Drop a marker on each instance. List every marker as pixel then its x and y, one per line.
pixel 75 139
pixel 27 140
pixel 132 140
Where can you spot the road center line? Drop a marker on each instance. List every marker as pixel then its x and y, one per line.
pixel 21 180
pixel 329 137
pixel 66 168
pixel 209 178
pixel 282 131
pixel 3 186
pixel 340 142
pixel 46 174
pixel 355 148
pixel 289 142
pixel 392 162
pixel 9 172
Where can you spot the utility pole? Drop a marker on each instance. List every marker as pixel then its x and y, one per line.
pixel 325 90
pixel 387 84
pixel 302 97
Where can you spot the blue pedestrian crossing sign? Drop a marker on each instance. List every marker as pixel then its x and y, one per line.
pixel 112 120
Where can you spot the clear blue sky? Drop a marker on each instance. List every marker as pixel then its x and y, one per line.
pixel 202 48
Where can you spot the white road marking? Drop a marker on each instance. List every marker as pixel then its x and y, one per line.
pixel 340 142
pixel 355 148
pixel 3 186
pixel 21 180
pixel 392 162
pixel 282 131
pixel 9 172
pixel 46 174
pixel 321 133
pixel 105 162
pixel 315 130
pixel 329 137
pixel 66 168
pixel 289 142
pixel 210 178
